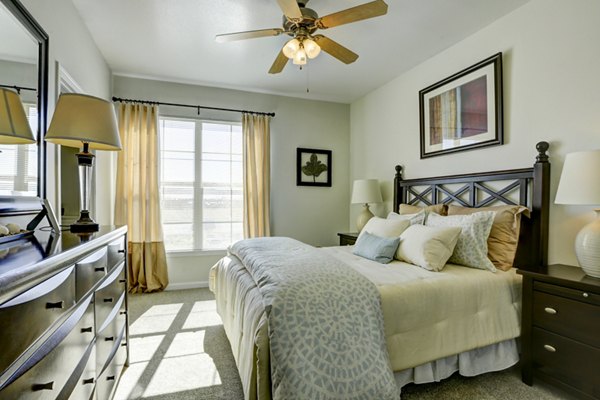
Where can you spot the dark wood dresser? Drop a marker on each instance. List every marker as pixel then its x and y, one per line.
pixel 348 239
pixel 561 329
pixel 63 315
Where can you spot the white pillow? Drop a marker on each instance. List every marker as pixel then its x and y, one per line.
pixel 471 249
pixel 386 228
pixel 417 218
pixel 426 246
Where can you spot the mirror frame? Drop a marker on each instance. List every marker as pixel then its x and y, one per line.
pixel 31 25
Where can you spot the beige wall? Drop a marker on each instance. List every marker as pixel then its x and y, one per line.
pixel 551 92
pixel 73 47
pixel 311 214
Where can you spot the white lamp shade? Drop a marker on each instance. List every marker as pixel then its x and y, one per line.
pixel 291 47
pixel 311 47
pixel 580 179
pixel 81 118
pixel 14 126
pixel 366 191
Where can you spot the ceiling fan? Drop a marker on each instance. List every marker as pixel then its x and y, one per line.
pixel 301 23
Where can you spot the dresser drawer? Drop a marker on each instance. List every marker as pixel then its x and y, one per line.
pixel 110 376
pixel 116 252
pixel 83 381
pixel 567 317
pixel 90 271
pixel 569 361
pixel 35 311
pixel 108 294
pixel 109 337
pixel 46 372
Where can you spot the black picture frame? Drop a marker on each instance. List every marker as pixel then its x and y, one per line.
pixel 459 113
pixel 320 177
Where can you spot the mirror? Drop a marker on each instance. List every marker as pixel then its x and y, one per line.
pixel 24 68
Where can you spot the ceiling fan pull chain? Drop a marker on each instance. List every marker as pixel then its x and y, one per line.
pixel 307 80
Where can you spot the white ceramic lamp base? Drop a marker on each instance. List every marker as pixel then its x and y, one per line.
pixel 587 247
pixel 363 217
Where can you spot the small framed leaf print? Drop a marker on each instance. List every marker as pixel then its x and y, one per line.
pixel 313 167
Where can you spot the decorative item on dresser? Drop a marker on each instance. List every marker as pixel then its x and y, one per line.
pixel 365 191
pixel 347 238
pixel 560 329
pixel 580 184
pixel 63 313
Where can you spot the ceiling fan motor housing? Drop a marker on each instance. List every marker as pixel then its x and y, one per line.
pixel 305 26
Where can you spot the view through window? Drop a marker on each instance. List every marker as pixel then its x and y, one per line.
pixel 200 183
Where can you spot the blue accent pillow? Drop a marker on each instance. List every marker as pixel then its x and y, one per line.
pixel 376 248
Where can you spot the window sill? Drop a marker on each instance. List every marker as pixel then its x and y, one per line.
pixel 195 253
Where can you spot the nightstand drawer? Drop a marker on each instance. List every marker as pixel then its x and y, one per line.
pixel 569 318
pixel 567 360
pixel 348 239
pixel 585 296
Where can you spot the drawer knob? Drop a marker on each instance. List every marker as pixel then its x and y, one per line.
pixel 123 312
pixel 58 304
pixel 551 349
pixel 85 330
pixel 110 378
pixel 550 310
pixel 122 251
pixel 124 344
pixel 586 295
pixel 99 269
pixel 88 381
pixel 122 281
pixel 36 387
pixel 108 300
pixel 109 339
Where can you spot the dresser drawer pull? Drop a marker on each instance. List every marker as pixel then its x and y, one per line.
pixel 108 300
pixel 123 312
pixel 551 349
pixel 36 387
pixel 109 339
pixel 110 378
pixel 99 269
pixel 586 295
pixel 88 381
pixel 122 251
pixel 86 330
pixel 550 310
pixel 58 304
pixel 124 344
pixel 122 281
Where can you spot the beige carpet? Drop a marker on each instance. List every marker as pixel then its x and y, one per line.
pixel 179 351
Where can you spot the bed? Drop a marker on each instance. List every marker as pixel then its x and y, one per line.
pixel 431 324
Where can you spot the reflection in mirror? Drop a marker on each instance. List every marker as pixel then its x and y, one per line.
pixel 23 69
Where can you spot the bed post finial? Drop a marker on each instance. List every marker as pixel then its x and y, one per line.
pixel 542 148
pixel 397 188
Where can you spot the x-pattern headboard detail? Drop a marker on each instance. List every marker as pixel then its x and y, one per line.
pixel 532 186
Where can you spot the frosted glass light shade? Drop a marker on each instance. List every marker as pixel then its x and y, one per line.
pixel 311 47
pixel 300 57
pixel 580 179
pixel 366 191
pixel 291 47
pixel 14 126
pixel 79 118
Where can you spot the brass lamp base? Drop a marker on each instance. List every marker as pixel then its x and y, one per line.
pixel 84 224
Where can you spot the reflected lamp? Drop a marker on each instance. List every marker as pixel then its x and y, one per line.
pixel 14 126
pixel 85 122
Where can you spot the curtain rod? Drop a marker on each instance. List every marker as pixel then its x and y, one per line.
pixel 271 114
pixel 18 88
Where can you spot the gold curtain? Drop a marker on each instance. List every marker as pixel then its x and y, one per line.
pixel 257 175
pixel 137 197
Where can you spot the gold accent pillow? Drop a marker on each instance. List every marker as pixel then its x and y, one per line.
pixel 441 209
pixel 504 236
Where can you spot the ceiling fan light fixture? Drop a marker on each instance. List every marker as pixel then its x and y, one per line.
pixel 291 48
pixel 300 57
pixel 311 47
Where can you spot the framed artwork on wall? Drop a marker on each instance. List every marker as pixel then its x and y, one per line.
pixel 313 167
pixel 463 111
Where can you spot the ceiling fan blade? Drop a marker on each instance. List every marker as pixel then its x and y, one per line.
pixel 335 49
pixel 230 37
pixel 290 9
pixel 358 13
pixel 279 64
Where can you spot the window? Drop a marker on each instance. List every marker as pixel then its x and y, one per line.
pixel 18 163
pixel 200 183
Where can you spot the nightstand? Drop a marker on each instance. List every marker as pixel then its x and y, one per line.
pixel 561 329
pixel 348 239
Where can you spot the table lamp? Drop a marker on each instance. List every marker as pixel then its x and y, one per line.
pixel 365 191
pixel 580 185
pixel 14 126
pixel 90 122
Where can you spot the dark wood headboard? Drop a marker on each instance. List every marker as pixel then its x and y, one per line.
pixel 532 186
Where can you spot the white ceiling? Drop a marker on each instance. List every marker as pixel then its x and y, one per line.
pixel 174 40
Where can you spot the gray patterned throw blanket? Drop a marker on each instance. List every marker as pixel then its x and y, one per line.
pixel 325 323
